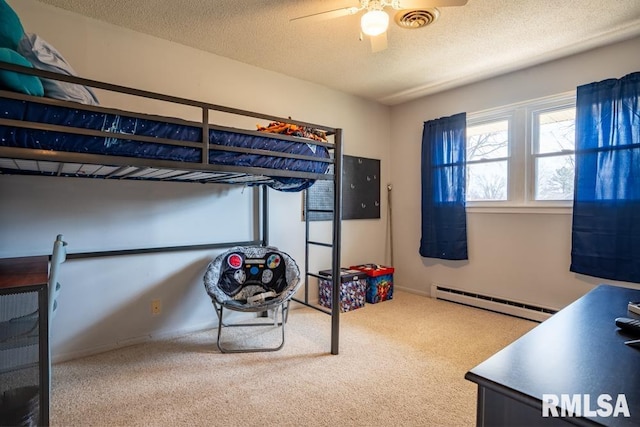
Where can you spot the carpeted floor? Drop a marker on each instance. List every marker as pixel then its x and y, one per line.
pixel 401 363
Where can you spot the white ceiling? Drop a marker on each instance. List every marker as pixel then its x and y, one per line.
pixel 484 38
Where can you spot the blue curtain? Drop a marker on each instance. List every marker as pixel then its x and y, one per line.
pixel 444 220
pixel 606 207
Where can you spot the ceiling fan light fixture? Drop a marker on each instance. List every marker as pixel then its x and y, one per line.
pixel 374 22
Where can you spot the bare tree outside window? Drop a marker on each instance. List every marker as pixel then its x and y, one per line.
pixel 487 157
pixel 554 155
pixel 522 155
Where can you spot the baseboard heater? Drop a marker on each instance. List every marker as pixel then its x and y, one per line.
pixel 500 305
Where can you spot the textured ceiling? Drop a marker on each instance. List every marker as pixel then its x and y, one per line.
pixel 484 38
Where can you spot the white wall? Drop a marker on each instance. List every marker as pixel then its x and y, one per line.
pixel 519 256
pixel 105 302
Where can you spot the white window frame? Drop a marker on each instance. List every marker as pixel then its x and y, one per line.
pixel 497 116
pixel 533 112
pixel 521 163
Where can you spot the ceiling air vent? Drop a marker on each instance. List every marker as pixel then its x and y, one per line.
pixel 416 18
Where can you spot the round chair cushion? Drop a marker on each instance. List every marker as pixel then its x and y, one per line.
pixel 252 278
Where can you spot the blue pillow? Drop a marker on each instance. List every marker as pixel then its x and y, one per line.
pixel 18 82
pixel 11 30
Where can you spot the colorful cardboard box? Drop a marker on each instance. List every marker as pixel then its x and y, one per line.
pixel 353 286
pixel 379 281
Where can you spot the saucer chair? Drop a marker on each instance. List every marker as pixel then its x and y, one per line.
pixel 252 279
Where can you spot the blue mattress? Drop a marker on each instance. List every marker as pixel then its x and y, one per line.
pixel 122 125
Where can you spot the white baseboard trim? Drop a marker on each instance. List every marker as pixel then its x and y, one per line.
pixel 492 303
pixel 411 291
pixel 90 351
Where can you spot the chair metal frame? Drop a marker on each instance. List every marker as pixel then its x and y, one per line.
pixel 284 313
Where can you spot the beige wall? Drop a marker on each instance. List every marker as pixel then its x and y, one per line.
pixel 521 256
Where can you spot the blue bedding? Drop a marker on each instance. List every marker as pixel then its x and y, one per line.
pixel 119 145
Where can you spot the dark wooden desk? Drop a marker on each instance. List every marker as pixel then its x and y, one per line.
pixel 577 351
pixel 24 271
pixel 22 276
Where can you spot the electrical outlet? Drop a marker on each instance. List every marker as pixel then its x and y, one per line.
pixel 156 307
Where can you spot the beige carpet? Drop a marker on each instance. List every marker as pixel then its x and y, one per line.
pixel 401 363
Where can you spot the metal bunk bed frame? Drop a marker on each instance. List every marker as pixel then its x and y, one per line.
pixel 137 168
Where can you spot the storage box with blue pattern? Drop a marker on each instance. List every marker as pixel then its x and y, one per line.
pixel 353 286
pixel 379 281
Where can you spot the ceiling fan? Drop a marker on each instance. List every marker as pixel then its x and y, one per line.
pixel 375 21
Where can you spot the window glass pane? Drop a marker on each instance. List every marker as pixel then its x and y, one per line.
pixel 556 131
pixel 488 141
pixel 555 177
pixel 487 181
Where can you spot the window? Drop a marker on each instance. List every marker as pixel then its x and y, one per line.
pixel 522 155
pixel 487 160
pixel 553 153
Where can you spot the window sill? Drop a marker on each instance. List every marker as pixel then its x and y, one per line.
pixel 559 209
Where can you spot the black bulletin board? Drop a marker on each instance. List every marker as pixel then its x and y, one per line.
pixel 360 191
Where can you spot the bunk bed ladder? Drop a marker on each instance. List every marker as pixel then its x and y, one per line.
pixel 334 245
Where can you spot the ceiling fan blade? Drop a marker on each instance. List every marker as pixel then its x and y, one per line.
pixel 329 14
pixel 426 4
pixel 378 43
